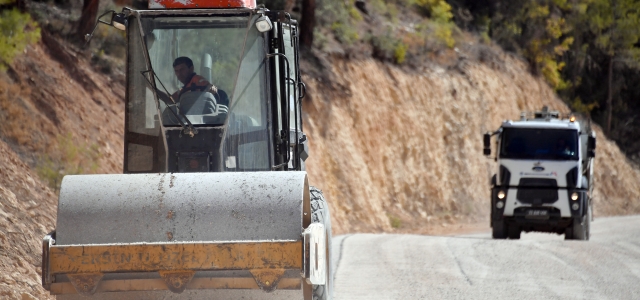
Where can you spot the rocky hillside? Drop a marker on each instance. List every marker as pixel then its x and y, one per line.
pixel 398 150
pixel 394 150
pixel 52 104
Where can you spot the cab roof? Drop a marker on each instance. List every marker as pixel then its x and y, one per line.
pixel 542 123
pixel 172 4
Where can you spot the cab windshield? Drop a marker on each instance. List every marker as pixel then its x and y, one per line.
pixel 533 143
pixel 226 54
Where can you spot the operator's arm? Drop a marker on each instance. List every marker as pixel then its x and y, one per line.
pixel 165 98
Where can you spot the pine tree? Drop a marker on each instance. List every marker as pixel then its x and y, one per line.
pixel 612 29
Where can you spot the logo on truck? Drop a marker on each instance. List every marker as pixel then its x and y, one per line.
pixel 538 167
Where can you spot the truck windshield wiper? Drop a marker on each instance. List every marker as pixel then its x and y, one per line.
pixel 169 101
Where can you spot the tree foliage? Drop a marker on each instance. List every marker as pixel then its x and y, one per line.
pixel 539 30
pixel 17 30
pixel 588 50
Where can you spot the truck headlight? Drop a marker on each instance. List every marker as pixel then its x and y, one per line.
pixel 501 195
pixel 575 206
pixel 574 196
pixel 499 205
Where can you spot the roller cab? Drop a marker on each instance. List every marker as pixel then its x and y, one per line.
pixel 215 195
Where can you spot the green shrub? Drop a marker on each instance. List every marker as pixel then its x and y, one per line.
pixel 355 14
pixel 379 6
pixel 346 34
pixel 444 32
pixel 320 39
pixel 339 18
pixel 400 52
pixel 437 10
pixel 578 106
pixel 438 34
pixel 384 46
pixel 392 13
pixel 394 221
pixel 551 71
pixel 68 158
pixel 17 30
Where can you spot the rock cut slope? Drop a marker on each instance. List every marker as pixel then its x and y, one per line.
pixel 396 150
pixel 27 213
pixel 49 92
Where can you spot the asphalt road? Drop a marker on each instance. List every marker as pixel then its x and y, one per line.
pixel 538 266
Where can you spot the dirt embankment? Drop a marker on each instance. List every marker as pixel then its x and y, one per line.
pixel 396 151
pixel 45 95
pixel 27 213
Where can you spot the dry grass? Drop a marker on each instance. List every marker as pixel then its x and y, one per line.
pixel 18 124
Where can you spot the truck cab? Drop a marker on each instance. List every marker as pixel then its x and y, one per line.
pixel 544 176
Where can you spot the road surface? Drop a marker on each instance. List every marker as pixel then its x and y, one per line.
pixel 539 266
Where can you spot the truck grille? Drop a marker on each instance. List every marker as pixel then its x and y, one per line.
pixel 538 182
pixel 537 196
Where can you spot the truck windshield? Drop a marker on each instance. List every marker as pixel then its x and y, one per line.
pixel 535 143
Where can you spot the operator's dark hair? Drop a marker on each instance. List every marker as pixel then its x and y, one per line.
pixel 183 60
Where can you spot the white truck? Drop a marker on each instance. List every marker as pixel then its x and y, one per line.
pixel 544 180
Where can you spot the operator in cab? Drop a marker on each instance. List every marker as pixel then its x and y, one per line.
pixel 198 100
pixel 183 68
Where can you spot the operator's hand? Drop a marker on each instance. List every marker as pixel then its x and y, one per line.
pixel 164 97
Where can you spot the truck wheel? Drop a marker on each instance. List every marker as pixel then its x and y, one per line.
pixel 581 229
pixel 514 232
pixel 499 230
pixel 568 233
pixel 320 214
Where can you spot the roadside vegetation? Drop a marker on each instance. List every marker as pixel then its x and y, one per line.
pixel 404 32
pixel 17 30
pixel 587 50
pixel 67 158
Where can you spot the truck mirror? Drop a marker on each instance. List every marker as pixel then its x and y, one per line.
pixel 487 144
pixel 591 143
pixel 591 146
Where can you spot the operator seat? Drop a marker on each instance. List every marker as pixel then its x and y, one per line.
pixel 205 66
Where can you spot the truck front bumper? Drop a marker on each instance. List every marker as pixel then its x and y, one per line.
pixel 537 215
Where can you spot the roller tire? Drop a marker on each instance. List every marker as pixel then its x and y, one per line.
pixel 320 214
